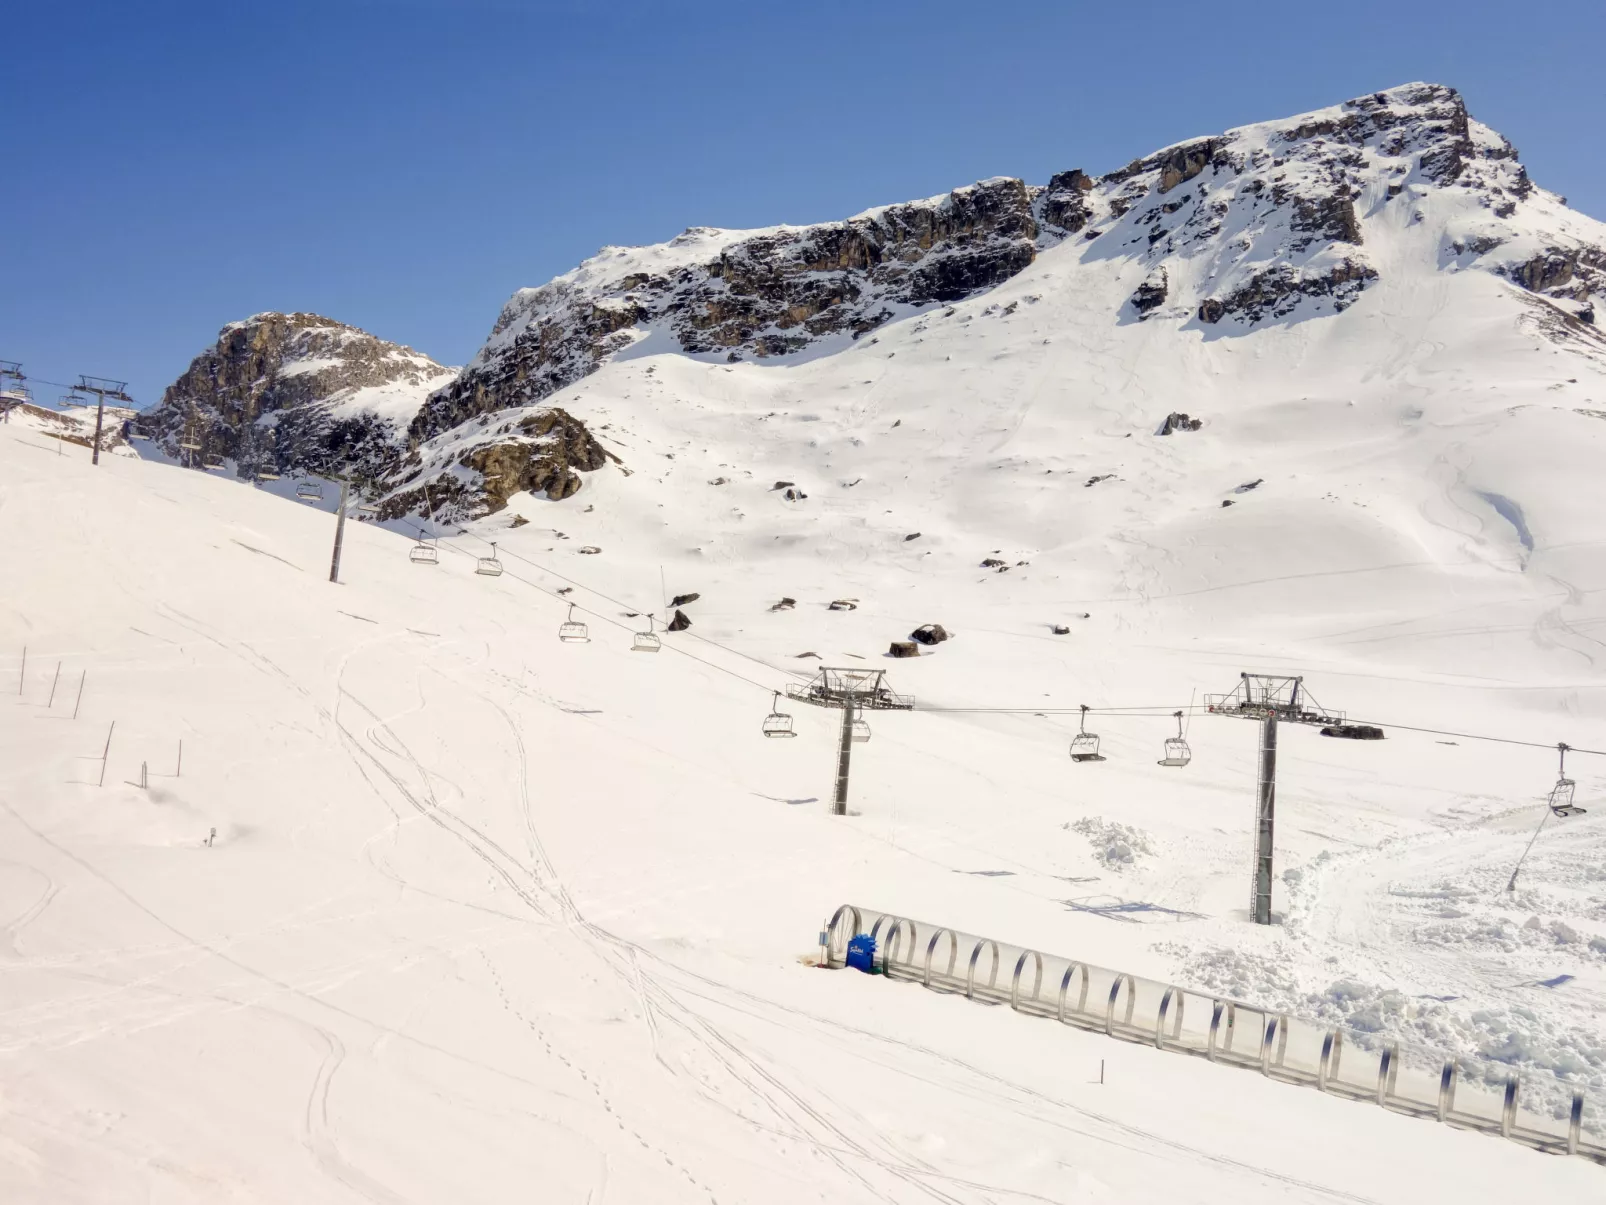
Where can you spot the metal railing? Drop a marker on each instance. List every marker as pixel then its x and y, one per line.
pixel 1530 1106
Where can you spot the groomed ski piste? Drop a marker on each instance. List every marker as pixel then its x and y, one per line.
pixel 439 908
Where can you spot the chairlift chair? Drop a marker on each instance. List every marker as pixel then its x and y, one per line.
pixel 188 447
pixel 489 566
pixel 1085 744
pixel 572 631
pixel 424 553
pixel 646 642
pixel 214 466
pixel 270 475
pixel 1177 752
pixel 310 491
pixel 1561 795
pixel 778 722
pixel 860 731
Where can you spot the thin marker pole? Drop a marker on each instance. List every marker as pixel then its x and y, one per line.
pixel 106 753
pixel 52 701
pixel 80 700
pixel 22 674
pixel 179 772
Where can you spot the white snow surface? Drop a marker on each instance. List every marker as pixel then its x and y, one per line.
pixel 487 915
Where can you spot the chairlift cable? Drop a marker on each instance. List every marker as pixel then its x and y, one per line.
pixel 614 622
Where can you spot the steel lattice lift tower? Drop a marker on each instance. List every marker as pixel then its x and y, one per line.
pixel 851 691
pixel 102 388
pixel 1270 698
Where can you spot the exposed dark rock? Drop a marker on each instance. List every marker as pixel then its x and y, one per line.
pixel 1181 164
pixel 681 600
pixel 844 604
pixel 678 622
pixel 801 656
pixel 994 563
pixel 1331 217
pixel 1092 481
pixel 589 550
pixel 1064 203
pixel 1227 502
pixel 300 369
pixel 1060 629
pixel 904 648
pixel 1178 421
pixel 913 535
pixel 1275 292
pixel 929 633
pixel 1249 485
pixel 786 604
pixel 781 485
pixel 794 495
pixel 545 453
pixel 771 294
pixel 1151 293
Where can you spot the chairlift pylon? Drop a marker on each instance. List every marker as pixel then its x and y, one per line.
pixel 778 723
pixel 489 566
pixel 1085 744
pixel 1177 752
pixel 572 631
pixel 646 642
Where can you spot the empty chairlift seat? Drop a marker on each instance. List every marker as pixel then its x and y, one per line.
pixel 1085 744
pixel 489 566
pixel 572 631
pixel 646 642
pixel 1177 752
pixel 310 491
pixel 778 723
pixel 424 553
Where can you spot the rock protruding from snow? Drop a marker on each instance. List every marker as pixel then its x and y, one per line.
pixel 758 293
pixel 297 393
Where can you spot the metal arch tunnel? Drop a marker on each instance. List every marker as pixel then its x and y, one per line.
pixel 1534 1108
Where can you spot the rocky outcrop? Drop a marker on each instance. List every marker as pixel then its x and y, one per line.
pixel 1151 293
pixel 736 294
pixel 543 453
pixel 298 392
pixel 1277 292
pixel 1571 273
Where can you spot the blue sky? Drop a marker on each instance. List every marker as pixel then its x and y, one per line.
pixel 404 165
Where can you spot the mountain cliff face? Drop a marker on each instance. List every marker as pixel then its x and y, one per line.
pixel 297 393
pixel 1216 237
pixel 1262 224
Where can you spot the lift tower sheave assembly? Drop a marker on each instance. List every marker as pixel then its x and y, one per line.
pixel 851 691
pixel 1269 699
pixel 102 388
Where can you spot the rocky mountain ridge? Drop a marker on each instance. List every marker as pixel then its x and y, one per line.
pixel 296 393
pixel 1219 237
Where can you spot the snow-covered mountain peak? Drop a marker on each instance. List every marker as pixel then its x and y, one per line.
pixel 1276 221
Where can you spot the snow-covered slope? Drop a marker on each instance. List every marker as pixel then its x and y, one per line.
pixel 437 908
pixel 295 393
pixel 71 424
pixel 1249 234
